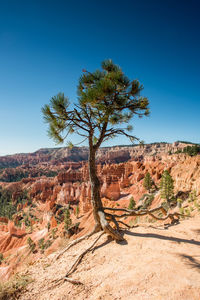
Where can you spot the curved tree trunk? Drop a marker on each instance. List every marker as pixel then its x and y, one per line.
pixel 95 187
pixel 98 212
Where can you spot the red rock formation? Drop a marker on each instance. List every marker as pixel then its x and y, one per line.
pixel 111 188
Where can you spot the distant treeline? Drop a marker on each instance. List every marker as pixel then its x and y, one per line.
pixel 14 175
pixel 190 150
pixel 186 142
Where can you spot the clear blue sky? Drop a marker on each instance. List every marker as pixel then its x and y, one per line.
pixel 45 44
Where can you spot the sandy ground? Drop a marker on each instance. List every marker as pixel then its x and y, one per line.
pixel 154 263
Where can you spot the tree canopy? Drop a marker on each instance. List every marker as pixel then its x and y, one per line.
pixel 106 100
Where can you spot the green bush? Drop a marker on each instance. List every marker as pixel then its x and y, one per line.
pixel 31 244
pixel 179 202
pixel 53 232
pixel 12 288
pixel 187 211
pixel 192 196
pixel 1 258
pixel 165 205
pixel 44 245
pixel 67 220
pixel 132 203
pixel 147 202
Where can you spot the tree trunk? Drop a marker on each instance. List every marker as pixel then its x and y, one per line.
pixel 100 219
pixel 95 187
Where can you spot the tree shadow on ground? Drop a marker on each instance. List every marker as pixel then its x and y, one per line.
pixel 108 241
pixel 191 261
pixel 162 237
pixel 196 231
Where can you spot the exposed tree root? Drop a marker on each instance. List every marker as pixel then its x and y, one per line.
pixel 143 212
pixel 105 227
pixel 96 229
pixel 108 229
pixel 76 263
pixel 78 260
pixel 115 234
pixel 73 281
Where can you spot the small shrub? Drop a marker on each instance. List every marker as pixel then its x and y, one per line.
pixel 53 232
pixel 48 226
pixel 31 244
pixel 192 196
pixel 179 202
pixel 27 221
pixel 12 288
pixel 165 205
pixel 131 223
pixel 132 203
pixel 187 211
pixel 44 245
pixel 48 244
pixel 1 258
pixel 67 220
pixel 41 244
pixel 147 202
pixel 77 211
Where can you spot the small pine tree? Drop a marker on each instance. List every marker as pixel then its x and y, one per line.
pixel 166 186
pixel 67 220
pixel 132 203
pixel 148 182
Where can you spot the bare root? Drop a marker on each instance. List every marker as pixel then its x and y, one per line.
pixel 78 260
pixel 96 229
pixel 143 212
pixel 115 234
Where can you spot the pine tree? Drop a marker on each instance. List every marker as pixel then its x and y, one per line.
pixel 67 220
pixel 148 182
pixel 166 186
pixel 107 98
pixel 132 203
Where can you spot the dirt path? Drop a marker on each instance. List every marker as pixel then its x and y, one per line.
pixel 155 264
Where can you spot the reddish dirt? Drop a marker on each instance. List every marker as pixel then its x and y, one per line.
pixel 154 264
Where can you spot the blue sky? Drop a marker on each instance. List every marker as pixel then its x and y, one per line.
pixel 44 45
